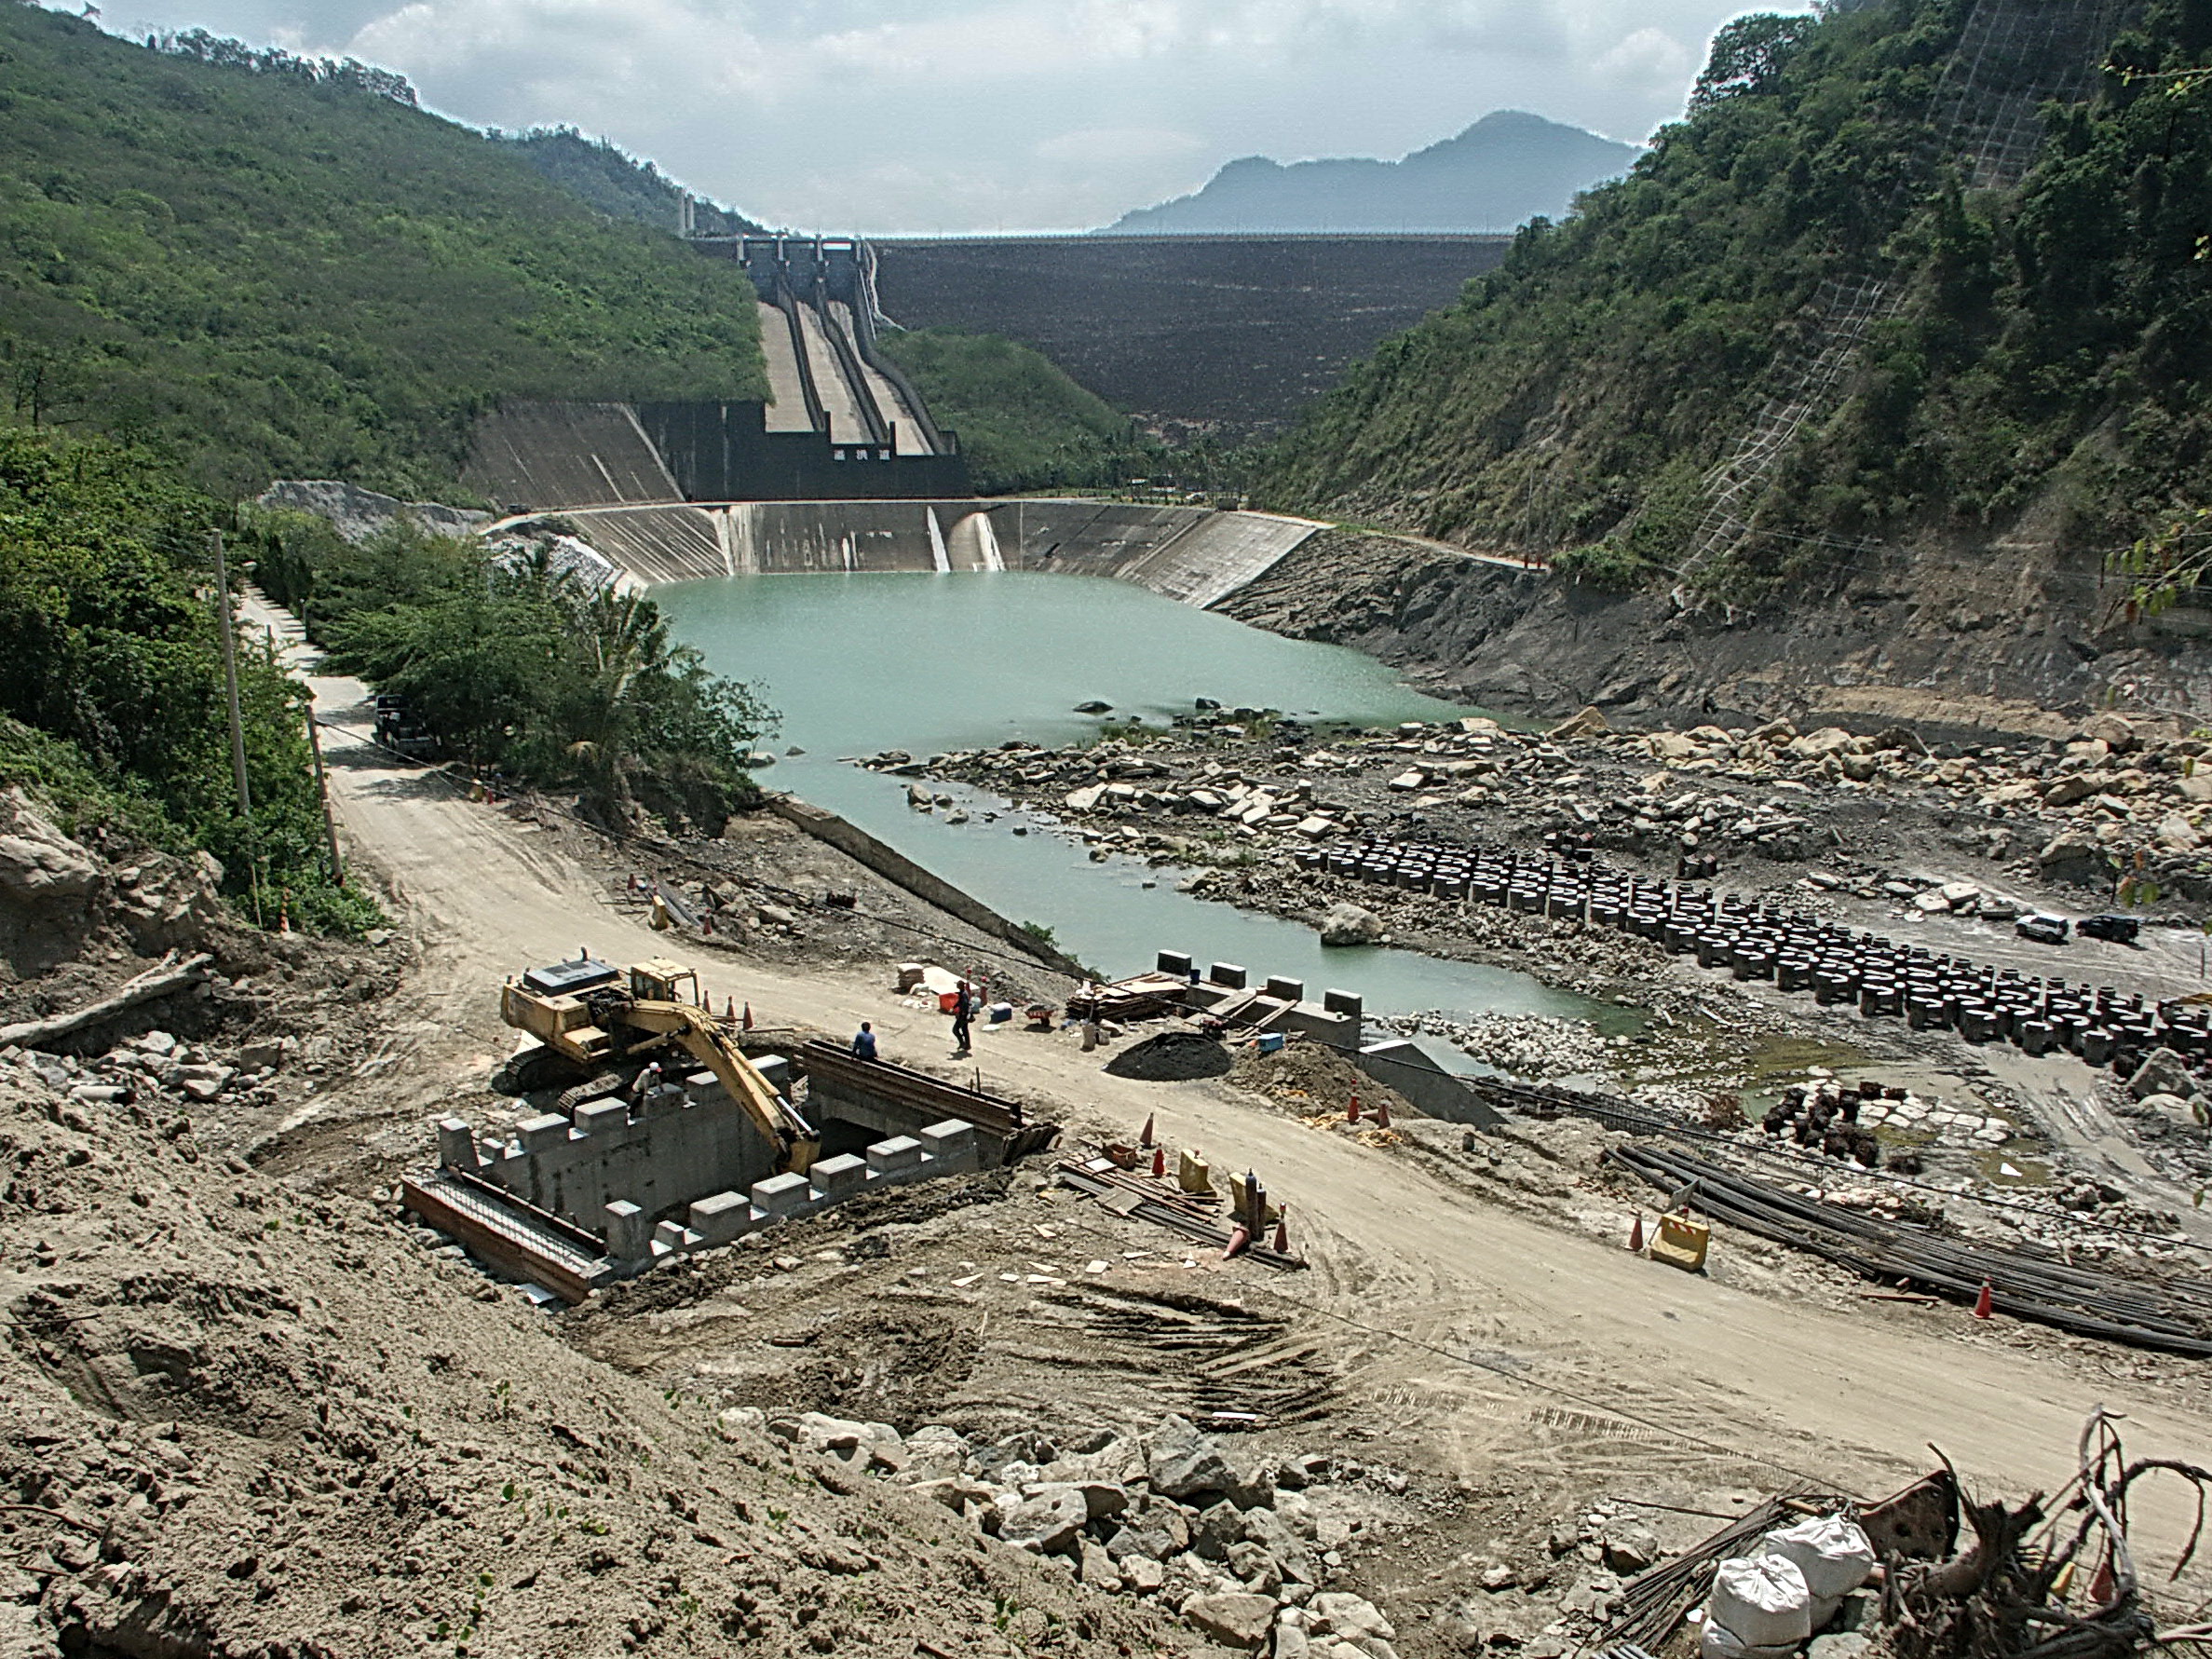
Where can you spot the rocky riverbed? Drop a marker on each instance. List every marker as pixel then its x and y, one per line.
pixel 1930 843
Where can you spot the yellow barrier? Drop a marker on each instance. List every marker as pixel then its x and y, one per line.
pixel 1682 1242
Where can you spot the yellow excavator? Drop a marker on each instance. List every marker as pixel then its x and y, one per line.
pixel 589 1016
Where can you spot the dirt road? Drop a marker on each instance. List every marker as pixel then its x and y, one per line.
pixel 1474 1330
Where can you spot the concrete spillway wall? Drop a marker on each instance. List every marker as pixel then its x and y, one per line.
pixel 1192 554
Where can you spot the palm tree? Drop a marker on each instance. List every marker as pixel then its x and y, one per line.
pixel 623 641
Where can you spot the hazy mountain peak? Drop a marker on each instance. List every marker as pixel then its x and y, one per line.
pixel 1504 168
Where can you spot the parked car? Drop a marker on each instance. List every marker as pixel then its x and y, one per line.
pixel 2119 930
pixel 2043 929
pixel 399 729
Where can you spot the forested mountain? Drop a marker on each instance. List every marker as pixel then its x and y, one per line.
pixel 1506 168
pixel 263 266
pixel 220 265
pixel 617 185
pixel 1873 288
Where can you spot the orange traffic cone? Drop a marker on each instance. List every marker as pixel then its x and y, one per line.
pixel 1636 1234
pixel 1352 1114
pixel 731 1011
pixel 1985 1303
pixel 1240 1238
pixel 747 1022
pixel 2102 1585
pixel 1145 1139
pixel 1158 1164
pixel 1283 1235
pixel 1382 1114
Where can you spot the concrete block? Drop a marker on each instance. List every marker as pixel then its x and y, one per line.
pixel 1348 1003
pixel 896 1156
pixel 703 1088
pixel 950 1147
pixel 1285 990
pixel 603 1118
pixel 457 1145
pixel 776 1070
pixel 1173 961
pixel 1228 973
pixel 781 1195
pixel 835 1178
pixel 663 1100
pixel 668 1237
pixel 552 1130
pixel 722 1218
pixel 1192 1173
pixel 628 1238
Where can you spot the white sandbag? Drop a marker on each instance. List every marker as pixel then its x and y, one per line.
pixel 1830 1550
pixel 1719 1643
pixel 1762 1600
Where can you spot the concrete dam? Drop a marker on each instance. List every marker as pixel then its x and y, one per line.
pixel 1230 336
pixel 844 469
pixel 599 470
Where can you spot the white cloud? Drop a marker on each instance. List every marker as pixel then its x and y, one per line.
pixel 919 115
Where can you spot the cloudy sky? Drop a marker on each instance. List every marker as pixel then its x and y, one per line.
pixel 981 115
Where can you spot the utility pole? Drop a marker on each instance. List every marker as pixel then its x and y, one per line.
pixel 237 725
pixel 322 788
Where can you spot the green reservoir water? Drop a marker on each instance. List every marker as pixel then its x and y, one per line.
pixel 929 662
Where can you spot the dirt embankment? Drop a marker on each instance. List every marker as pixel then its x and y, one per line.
pixel 1970 639
pixel 239 1420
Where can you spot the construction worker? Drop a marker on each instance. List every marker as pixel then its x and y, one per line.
pixel 863 1043
pixel 963 1010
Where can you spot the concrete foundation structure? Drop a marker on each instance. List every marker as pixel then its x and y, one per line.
pixel 1223 990
pixel 482 1201
pixel 678 1141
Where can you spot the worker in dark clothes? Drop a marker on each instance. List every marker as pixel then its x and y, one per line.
pixel 863 1044
pixel 963 1010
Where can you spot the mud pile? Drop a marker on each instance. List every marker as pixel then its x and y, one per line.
pixel 238 1419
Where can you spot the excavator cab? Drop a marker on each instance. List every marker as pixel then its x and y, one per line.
pixel 585 1016
pixel 658 980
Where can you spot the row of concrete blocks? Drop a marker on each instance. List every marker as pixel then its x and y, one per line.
pixel 946 1148
pixel 1230 976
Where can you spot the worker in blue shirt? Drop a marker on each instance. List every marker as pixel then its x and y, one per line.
pixel 863 1044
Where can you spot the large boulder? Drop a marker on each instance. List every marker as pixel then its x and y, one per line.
pixel 1350 924
pixel 1048 1520
pixel 1814 745
pixel 43 872
pixel 1589 723
pixel 1217 1528
pixel 2071 857
pixel 1282 1541
pixel 1182 1462
pixel 2177 1111
pixel 2116 732
pixel 1162 1532
pixel 1347 1617
pixel 2161 1072
pixel 1235 1621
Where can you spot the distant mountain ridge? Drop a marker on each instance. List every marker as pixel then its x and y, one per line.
pixel 1507 168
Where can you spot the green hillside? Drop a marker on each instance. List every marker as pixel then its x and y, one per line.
pixel 2043 343
pixel 1023 422
pixel 619 185
pixel 263 269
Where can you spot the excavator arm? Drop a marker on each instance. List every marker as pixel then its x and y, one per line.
pixel 700 1036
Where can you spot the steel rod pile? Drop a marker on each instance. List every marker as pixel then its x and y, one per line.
pixel 1653 1604
pixel 1143 1200
pixel 2170 1314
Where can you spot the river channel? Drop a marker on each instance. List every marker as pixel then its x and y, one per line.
pixel 862 663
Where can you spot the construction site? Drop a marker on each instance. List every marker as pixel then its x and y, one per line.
pixel 1145 1136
